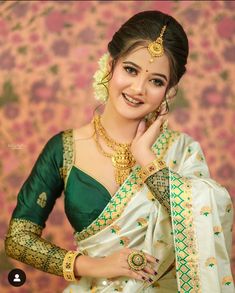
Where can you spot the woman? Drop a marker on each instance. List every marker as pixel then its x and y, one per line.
pixel 147 217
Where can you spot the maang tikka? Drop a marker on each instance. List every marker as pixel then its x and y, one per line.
pixel 156 48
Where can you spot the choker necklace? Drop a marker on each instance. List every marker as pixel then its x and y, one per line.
pixel 122 158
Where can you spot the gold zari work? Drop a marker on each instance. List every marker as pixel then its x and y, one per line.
pixel 42 199
pixel 23 243
pixel 67 138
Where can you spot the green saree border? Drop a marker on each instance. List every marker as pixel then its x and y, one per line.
pixel 187 268
pixel 133 183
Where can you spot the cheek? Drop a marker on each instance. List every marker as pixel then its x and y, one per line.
pixel 156 95
pixel 118 80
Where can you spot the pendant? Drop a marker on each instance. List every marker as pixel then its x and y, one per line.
pixel 123 161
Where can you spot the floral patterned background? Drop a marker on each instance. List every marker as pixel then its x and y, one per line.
pixel 48 55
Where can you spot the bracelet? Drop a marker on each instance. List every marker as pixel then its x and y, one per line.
pixel 152 168
pixel 68 265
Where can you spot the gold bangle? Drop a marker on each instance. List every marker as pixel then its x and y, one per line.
pixel 152 168
pixel 68 265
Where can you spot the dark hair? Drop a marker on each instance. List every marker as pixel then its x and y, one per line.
pixel 146 26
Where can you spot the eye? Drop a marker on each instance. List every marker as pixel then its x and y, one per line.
pixel 130 69
pixel 158 82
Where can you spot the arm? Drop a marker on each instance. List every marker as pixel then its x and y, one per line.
pixel 35 202
pixel 158 184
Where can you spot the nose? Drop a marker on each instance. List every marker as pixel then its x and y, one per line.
pixel 138 85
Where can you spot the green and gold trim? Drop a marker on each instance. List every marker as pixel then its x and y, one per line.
pixel 184 236
pixel 68 153
pixel 164 142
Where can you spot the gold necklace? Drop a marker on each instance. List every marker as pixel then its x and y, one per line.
pixel 122 158
pixel 109 141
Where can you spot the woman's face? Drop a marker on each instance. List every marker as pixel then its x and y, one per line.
pixel 137 86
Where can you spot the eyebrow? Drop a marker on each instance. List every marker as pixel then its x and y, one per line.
pixel 158 74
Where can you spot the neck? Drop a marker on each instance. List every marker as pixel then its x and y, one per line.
pixel 119 128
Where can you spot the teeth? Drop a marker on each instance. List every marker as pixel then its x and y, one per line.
pixel 131 100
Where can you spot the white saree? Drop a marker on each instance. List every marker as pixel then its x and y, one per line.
pixel 193 244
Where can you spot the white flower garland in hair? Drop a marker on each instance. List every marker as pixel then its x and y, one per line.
pixel 100 90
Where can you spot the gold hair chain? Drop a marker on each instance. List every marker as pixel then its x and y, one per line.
pixel 122 158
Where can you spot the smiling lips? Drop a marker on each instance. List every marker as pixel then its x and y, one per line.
pixel 133 101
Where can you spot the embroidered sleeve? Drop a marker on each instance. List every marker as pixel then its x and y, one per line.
pixel 24 243
pixel 35 202
pixel 158 183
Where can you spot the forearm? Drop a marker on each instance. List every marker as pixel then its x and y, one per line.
pixel 86 266
pixel 158 184
pixel 158 179
pixel 23 243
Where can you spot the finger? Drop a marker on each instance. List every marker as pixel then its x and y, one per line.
pixel 150 271
pixel 155 128
pixel 140 129
pixel 151 258
pixel 159 121
pixel 133 274
pixel 145 276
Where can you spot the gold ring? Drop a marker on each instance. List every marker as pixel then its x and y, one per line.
pixel 137 260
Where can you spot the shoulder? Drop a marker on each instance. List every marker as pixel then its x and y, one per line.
pixel 65 136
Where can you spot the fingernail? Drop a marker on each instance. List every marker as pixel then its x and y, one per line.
pixel 150 280
pixel 157 260
pixel 155 273
pixel 143 278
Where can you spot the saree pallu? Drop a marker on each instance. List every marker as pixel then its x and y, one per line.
pixel 192 243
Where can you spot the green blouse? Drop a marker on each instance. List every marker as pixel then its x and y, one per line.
pixel 85 198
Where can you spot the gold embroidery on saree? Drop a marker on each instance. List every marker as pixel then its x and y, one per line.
pixel 217 230
pixel 124 241
pixel 211 262
pixel 227 280
pixel 205 211
pixel 142 222
pixel 42 199
pixel 115 229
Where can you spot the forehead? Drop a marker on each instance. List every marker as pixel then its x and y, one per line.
pixel 141 57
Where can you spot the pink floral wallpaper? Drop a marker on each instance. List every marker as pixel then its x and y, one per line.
pixel 48 55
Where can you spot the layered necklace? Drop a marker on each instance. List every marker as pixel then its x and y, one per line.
pixel 122 158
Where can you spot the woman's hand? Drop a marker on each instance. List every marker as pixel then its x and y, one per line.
pixel 144 139
pixel 113 266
